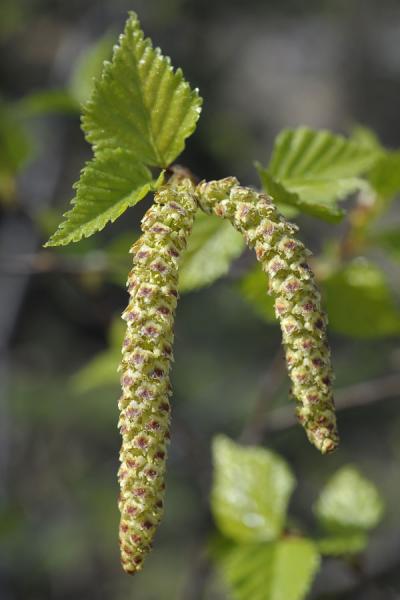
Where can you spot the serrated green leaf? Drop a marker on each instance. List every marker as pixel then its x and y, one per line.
pixel 139 115
pixel 303 202
pixel 319 167
pixel 107 187
pixel 251 491
pixel 343 544
pixel 253 288
pixel 140 103
pixel 359 302
pixel 212 247
pixel 349 503
pixel 307 154
pixel 281 570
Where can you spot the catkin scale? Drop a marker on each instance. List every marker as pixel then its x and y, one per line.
pixel 297 300
pixel 146 359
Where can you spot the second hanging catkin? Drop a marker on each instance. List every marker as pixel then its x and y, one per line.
pixel 297 300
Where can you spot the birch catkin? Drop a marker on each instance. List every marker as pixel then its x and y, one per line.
pixel 297 300
pixel 146 358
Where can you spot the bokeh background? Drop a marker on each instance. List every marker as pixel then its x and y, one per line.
pixel 260 66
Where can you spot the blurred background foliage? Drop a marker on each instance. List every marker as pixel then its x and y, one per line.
pixel 260 67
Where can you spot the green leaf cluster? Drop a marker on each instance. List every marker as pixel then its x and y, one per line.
pixel 258 556
pixel 313 170
pixel 138 117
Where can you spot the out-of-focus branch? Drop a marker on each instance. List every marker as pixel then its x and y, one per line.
pixel 46 262
pixel 359 394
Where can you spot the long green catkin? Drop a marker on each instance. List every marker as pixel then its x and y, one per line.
pixel 297 300
pixel 146 359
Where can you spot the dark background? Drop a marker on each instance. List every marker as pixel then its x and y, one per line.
pixel 260 66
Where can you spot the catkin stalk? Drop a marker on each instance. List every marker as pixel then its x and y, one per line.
pixel 284 259
pixel 146 359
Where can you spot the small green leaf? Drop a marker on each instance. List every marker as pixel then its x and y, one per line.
pixel 253 288
pixel 365 136
pixel 303 154
pixel 342 545
pixel 141 104
pixel 281 570
pixel 315 169
pixel 89 67
pixel 384 177
pixel 251 491
pixel 102 369
pixel 107 187
pixel 305 202
pixel 45 102
pixel 349 503
pixel 212 247
pixel 359 302
pixel 15 148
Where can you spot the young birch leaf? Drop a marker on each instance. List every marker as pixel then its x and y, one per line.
pixel 281 570
pixel 384 177
pixel 139 115
pixel 212 246
pixel 349 503
pixel 251 491
pixel 317 208
pixel 107 187
pixel 316 169
pixel 140 103
pixel 359 302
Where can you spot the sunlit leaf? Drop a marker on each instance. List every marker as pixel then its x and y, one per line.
pixel 107 187
pixel 212 247
pixel 251 491
pixel 281 570
pixel 312 170
pixel 359 302
pixel 317 208
pixel 140 103
pixel 349 502
pixel 139 115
